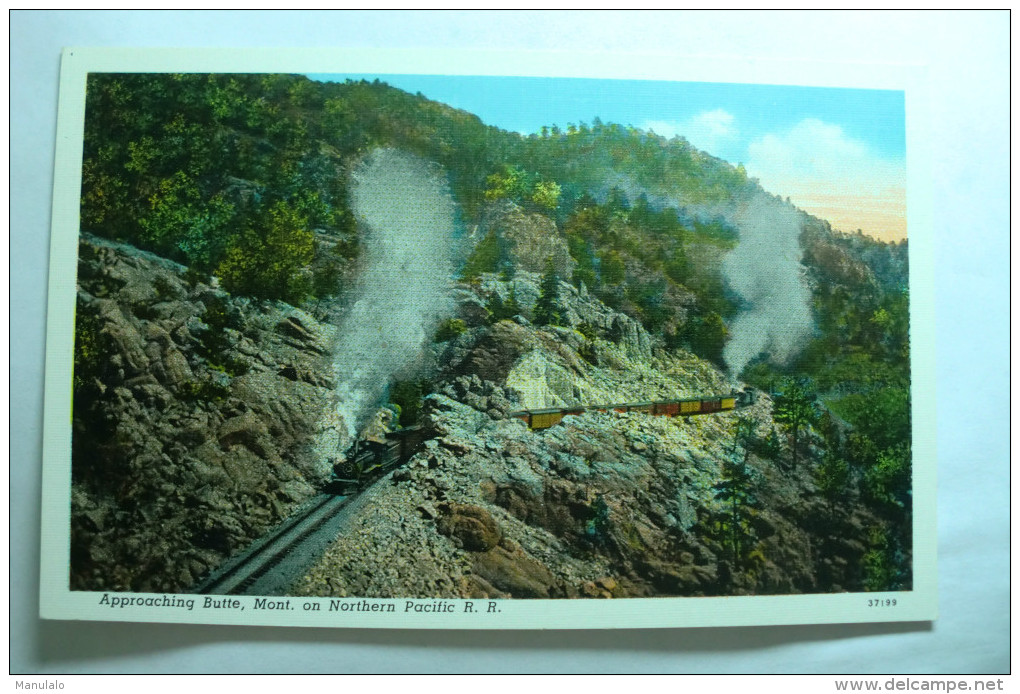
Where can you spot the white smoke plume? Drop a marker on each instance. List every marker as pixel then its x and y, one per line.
pixel 407 217
pixel 765 271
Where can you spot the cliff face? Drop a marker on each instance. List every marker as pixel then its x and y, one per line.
pixel 195 420
pixel 601 505
pixel 203 419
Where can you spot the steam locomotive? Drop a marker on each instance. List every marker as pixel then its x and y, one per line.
pixel 369 460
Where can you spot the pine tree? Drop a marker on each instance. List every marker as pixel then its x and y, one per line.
pixel 796 408
pixel 548 309
pixel 832 477
pixel 502 310
pixel 735 492
pixel 484 258
pixel 511 307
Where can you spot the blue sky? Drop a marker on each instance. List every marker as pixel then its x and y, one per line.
pixel 839 153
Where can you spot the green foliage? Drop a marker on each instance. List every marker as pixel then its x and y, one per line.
pixel 854 370
pixel 449 329
pixel 880 445
pixel 677 268
pixel 588 352
pixel 706 335
pixel 103 197
pixel 407 396
pixel 768 446
pixel 267 261
pixel 588 330
pixel 745 436
pixel 586 155
pixel 503 310
pixel 327 277
pixel 193 275
pixel 185 165
pixel 546 195
pixel 214 344
pixel 878 564
pixel 512 183
pixel 611 267
pixel 203 391
pixel 585 272
pixel 587 349
pixel 735 491
pixel 548 308
pixel 887 481
pixel 184 224
pixel 832 477
pixel 484 258
pixel 796 407
pixel 861 450
pixel 91 353
pixel 763 376
pixel 189 165
pixel 635 259
pixel 882 414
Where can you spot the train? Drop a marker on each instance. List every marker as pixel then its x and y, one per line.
pixel 369 460
pixel 545 418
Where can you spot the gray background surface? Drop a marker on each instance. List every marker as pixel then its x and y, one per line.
pixel 967 55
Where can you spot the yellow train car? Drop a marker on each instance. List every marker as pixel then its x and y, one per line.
pixel 690 407
pixel 543 419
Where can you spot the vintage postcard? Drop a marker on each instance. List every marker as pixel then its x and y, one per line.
pixel 488 341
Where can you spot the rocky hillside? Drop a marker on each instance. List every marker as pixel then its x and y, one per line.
pixel 203 418
pixel 601 505
pixel 594 265
pixel 195 416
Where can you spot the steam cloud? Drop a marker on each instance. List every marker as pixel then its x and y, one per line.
pixel 408 221
pixel 765 271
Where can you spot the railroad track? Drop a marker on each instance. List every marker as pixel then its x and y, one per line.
pixel 271 563
pixel 277 556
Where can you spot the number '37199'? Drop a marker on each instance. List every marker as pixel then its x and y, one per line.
pixel 882 602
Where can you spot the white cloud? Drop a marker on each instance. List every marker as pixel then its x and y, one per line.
pixel 710 131
pixel 833 176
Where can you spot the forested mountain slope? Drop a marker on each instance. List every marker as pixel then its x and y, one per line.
pixel 655 268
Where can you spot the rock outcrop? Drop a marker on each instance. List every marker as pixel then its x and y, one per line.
pixel 201 420
pixel 602 505
pixel 195 416
pixel 527 240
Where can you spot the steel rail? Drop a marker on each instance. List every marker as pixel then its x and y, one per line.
pixel 272 548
